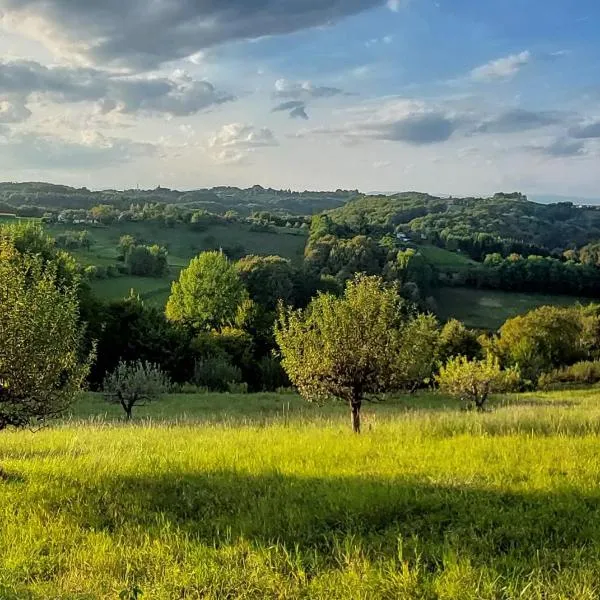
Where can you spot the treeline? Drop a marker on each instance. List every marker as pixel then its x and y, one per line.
pixel 37 199
pixel 529 274
pixel 504 223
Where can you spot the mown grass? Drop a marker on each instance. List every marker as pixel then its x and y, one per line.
pixel 489 309
pixel 231 496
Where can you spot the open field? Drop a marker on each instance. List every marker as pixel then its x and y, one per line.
pixel 232 496
pixel 488 309
pixel 442 258
pixel 182 243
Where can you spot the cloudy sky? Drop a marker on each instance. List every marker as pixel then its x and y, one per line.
pixel 444 96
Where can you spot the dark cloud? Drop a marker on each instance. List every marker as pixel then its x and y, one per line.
pixel 586 132
pixel 516 120
pixel 142 34
pixel 418 129
pixel 300 94
pixel 561 148
pixel 178 96
pixel 299 113
pixel 295 108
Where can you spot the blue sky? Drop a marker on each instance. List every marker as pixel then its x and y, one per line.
pixel 459 97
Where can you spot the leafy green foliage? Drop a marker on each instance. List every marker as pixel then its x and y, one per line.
pixel 208 293
pixel 354 346
pixel 268 279
pixel 131 330
pixel 134 384
pixel 456 340
pixel 541 340
pixel 472 381
pixel 147 261
pixel 41 340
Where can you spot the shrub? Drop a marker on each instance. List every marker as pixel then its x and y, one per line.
pixel 585 373
pixel 216 373
pixel 472 381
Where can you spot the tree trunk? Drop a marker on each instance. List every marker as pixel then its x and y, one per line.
pixel 355 414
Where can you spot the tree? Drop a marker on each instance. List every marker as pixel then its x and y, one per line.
pixel 147 261
pixel 132 330
pixel 541 340
pixel 472 381
pixel 208 293
pixel 349 347
pixel 134 384
pixel 41 340
pixel 456 340
pixel 268 279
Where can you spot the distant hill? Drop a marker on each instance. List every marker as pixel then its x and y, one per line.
pixel 452 221
pixel 554 199
pixel 218 200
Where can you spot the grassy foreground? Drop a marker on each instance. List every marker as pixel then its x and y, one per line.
pixel 264 497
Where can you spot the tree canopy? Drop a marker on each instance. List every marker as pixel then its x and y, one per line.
pixel 354 346
pixel 208 293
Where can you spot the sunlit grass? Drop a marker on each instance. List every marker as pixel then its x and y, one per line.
pixel 234 496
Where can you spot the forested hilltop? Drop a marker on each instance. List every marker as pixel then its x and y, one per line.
pixel 34 199
pixel 460 222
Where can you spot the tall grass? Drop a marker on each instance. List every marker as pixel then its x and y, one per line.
pixel 263 497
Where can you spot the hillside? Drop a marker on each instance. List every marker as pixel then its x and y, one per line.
pixel 506 216
pixel 217 200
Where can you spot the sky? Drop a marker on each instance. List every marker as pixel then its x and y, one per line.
pixel 462 97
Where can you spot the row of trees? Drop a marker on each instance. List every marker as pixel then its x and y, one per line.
pixel 258 322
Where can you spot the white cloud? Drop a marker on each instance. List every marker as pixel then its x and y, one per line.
pixel 394 5
pixel 234 142
pixel 502 68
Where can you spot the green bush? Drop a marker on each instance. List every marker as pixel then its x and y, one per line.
pixel 216 373
pixel 586 373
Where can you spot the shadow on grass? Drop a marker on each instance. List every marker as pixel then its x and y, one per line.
pixel 319 515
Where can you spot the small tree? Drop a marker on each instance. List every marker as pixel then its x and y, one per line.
pixel 472 381
pixel 134 384
pixel 42 364
pixel 349 347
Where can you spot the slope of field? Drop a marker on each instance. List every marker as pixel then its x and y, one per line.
pixel 488 309
pixel 428 503
pixel 444 259
pixel 182 244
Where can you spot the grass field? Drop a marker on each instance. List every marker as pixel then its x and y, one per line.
pixel 182 243
pixel 444 258
pixel 488 309
pixel 224 496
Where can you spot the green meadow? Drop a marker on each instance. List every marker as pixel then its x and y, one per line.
pixel 263 496
pixel 489 309
pixel 182 243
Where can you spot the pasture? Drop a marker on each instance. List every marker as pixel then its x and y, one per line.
pixel 489 309
pixel 263 496
pixel 182 244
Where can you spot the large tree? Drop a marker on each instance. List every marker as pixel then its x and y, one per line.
pixel 208 293
pixel 354 346
pixel 41 364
